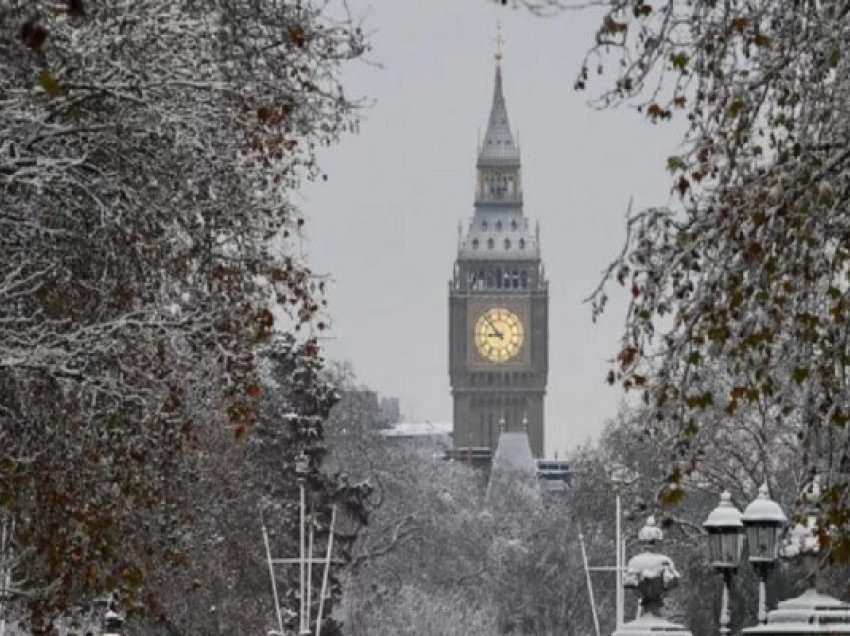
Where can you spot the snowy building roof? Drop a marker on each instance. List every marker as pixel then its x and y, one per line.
pixel 513 466
pixel 514 453
pixel 418 429
pixel 554 475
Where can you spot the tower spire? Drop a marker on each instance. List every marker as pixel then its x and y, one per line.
pixel 499 145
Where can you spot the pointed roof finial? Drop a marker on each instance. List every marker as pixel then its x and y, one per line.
pixel 500 42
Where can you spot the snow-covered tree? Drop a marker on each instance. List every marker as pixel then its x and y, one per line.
pixel 740 294
pixel 148 152
pixel 222 583
pixel 438 556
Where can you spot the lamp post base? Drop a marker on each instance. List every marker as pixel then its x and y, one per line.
pixel 648 625
pixel 810 613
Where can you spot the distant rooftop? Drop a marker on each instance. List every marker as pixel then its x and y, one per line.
pixel 513 468
pixel 418 429
pixel 554 475
pixel 513 455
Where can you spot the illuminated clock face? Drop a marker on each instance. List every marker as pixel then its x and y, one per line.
pixel 498 334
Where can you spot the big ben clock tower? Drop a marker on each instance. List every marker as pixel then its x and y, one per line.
pixel 498 303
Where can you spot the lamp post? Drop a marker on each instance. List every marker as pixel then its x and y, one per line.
pixel 302 469
pixel 763 523
pixel 725 542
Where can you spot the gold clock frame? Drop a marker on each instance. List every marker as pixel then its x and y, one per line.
pixel 476 309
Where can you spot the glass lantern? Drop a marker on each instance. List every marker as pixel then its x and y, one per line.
pixel 725 534
pixel 302 465
pixel 764 522
pixel 112 622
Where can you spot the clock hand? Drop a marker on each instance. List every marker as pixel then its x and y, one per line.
pixel 497 334
pixel 492 326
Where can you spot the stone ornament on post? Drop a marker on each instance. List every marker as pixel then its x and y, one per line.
pixel 725 543
pixel 652 574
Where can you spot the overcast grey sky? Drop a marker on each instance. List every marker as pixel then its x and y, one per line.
pixel 385 223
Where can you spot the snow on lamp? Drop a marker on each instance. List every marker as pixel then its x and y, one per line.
pixel 725 534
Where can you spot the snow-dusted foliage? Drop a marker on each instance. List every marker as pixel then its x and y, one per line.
pixel 740 296
pixel 148 151
pixel 222 582
pixel 439 557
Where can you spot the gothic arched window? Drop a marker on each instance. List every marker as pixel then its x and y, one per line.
pixel 475 244
pixel 522 244
pixel 498 226
pixel 507 244
pixel 513 224
pixel 523 278
pixel 515 279
pixel 490 243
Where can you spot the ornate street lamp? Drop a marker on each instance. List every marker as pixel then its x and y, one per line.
pixel 725 543
pixel 764 522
